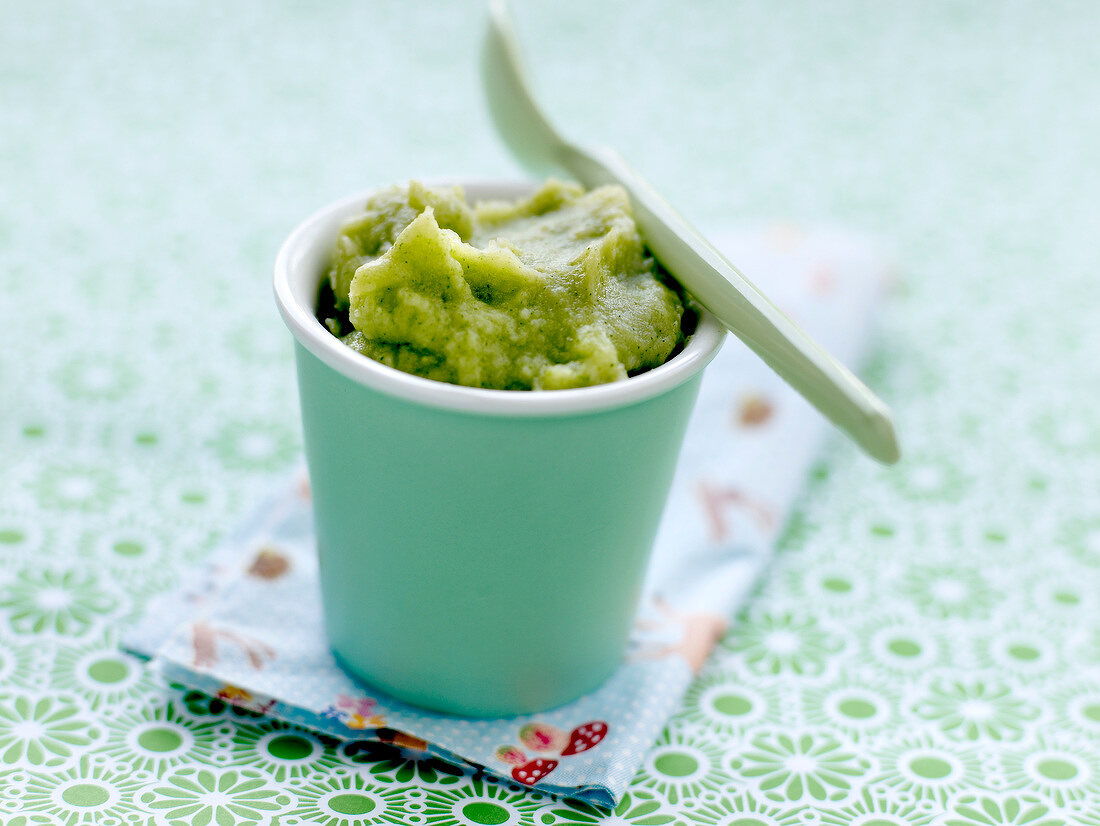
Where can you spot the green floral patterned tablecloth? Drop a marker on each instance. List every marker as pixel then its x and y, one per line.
pixel 926 648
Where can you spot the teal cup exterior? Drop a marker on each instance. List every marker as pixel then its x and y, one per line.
pixel 481 552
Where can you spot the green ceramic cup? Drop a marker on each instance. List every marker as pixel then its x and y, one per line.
pixel 481 552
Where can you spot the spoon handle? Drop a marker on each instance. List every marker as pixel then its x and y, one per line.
pixel 768 331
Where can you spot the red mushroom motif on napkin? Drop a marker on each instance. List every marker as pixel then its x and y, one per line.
pixel 548 739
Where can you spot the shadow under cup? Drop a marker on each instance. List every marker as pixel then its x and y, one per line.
pixel 482 552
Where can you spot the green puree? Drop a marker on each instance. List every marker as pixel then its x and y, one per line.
pixel 549 292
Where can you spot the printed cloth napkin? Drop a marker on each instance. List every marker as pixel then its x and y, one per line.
pixel 249 630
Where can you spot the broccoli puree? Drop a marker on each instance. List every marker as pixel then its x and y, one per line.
pixel 553 291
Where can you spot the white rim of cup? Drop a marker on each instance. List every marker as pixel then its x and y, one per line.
pixel 298 276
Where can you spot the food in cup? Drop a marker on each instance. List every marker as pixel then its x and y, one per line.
pixel 455 499
pixel 551 291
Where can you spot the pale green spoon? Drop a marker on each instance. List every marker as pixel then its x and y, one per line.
pixel 703 271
